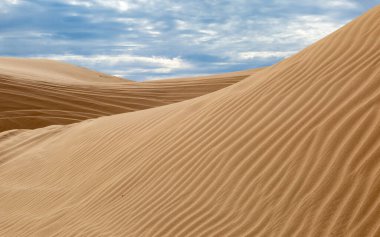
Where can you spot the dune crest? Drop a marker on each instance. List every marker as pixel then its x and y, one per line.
pixel 42 99
pixel 292 150
pixel 52 71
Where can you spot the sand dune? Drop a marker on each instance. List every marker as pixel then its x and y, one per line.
pixel 46 99
pixel 51 71
pixel 292 150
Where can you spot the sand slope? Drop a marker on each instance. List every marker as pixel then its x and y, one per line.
pixel 36 101
pixel 291 151
pixel 51 71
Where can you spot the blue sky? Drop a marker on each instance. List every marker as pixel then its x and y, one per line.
pixel 150 39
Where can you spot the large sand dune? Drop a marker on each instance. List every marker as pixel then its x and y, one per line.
pixel 293 150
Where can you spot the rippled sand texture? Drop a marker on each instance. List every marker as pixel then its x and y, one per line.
pixel 58 93
pixel 293 150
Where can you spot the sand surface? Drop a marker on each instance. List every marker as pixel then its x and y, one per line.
pixel 51 71
pixel 291 150
pixel 35 101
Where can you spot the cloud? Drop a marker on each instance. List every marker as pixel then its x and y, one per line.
pixel 143 39
pixel 13 1
pixel 340 4
pixel 307 29
pixel 139 64
pixel 172 63
pixel 115 4
pixel 118 5
pixel 5 5
pixel 265 54
pixel 323 4
pixel 79 3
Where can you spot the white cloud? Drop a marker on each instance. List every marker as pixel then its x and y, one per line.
pixel 118 5
pixel 182 25
pixel 79 3
pixel 304 30
pixel 142 25
pixel 265 54
pixel 5 4
pixel 339 4
pixel 214 35
pixel 324 4
pixel 159 64
pixel 13 1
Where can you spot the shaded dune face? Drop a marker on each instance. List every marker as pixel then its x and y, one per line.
pixel 31 101
pixel 292 150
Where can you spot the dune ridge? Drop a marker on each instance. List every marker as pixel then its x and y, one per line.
pixel 47 70
pixel 292 150
pixel 34 103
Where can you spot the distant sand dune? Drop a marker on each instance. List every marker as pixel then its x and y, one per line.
pixel 51 71
pixel 292 150
pixel 48 100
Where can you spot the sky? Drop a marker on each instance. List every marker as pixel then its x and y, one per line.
pixel 151 39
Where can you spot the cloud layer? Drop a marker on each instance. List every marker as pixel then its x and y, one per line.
pixel 148 39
